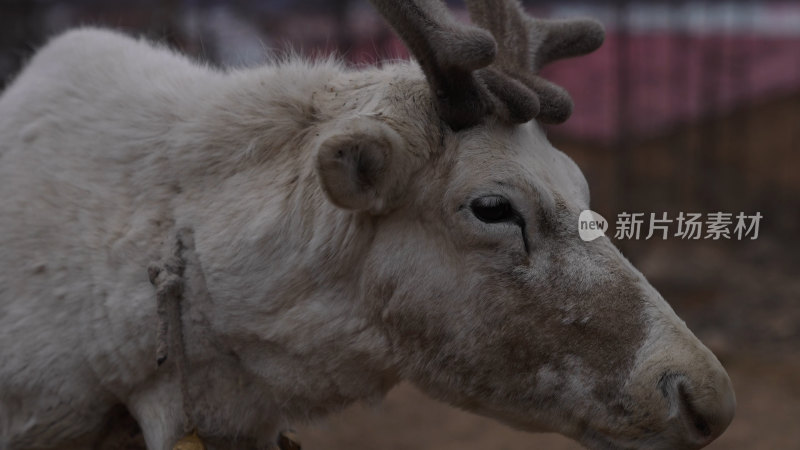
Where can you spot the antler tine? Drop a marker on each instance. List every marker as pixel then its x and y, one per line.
pixel 526 44
pixel 448 53
pixel 564 38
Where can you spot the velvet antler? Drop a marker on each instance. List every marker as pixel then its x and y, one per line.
pixel 473 77
pixel 526 45
pixel 448 53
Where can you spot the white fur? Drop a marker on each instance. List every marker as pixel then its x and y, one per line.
pixel 109 145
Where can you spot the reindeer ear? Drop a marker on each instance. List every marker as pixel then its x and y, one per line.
pixel 360 165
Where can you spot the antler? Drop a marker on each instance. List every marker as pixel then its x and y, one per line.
pixel 448 53
pixel 528 44
pixel 471 76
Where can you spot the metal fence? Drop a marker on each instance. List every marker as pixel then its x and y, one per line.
pixel 689 104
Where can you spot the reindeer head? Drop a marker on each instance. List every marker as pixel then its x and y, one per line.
pixel 476 273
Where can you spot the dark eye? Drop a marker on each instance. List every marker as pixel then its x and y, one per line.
pixel 493 209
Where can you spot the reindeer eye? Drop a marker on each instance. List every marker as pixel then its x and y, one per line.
pixel 493 209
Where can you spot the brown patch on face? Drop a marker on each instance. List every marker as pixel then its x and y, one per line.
pixel 547 343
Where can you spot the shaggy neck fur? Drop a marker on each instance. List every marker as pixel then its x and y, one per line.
pixel 274 320
pixel 313 348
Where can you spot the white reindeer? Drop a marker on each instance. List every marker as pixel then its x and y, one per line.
pixel 323 233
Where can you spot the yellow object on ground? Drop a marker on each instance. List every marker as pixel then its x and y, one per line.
pixel 190 442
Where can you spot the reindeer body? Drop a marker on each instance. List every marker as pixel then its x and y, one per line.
pixel 100 166
pixel 348 229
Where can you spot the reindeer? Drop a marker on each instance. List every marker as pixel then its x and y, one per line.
pixel 320 233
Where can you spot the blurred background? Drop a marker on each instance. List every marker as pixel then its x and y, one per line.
pixel 689 106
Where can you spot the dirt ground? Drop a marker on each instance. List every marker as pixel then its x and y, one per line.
pixel 743 302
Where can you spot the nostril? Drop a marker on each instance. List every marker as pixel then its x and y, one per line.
pixel 691 414
pixel 700 404
pixel 684 408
